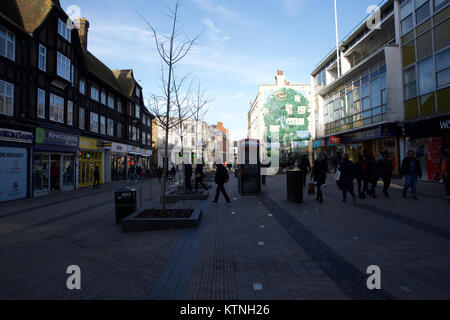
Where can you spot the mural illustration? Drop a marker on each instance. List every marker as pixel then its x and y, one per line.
pixel 286 115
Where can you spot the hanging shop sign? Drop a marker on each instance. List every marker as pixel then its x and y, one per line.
pixel 334 140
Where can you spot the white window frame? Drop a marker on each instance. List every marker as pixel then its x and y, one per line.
pixel 56 108
pixel 4 88
pixel 40 95
pixel 42 62
pixel 82 85
pixel 110 127
pixel 103 125
pixel 93 120
pixel 95 92
pixel 63 67
pixel 9 39
pixel 111 101
pixel 70 113
pixel 64 31
pixel 81 118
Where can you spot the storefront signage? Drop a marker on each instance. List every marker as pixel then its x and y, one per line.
pixel 52 137
pixel 383 131
pixel 334 140
pixel 119 148
pixel 14 135
pixel 134 149
pixel 13 173
pixel 435 127
pixel 147 152
pixel 88 143
pixel 317 144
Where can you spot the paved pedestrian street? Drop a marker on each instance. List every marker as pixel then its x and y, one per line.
pixel 262 247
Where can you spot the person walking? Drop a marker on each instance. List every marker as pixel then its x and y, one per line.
pixel 199 177
pixel 361 176
pixel 305 168
pixel 173 172
pixel 319 175
pixel 221 178
pixel 445 172
pixel 386 168
pixel 347 169
pixel 412 171
pixel 373 174
pixel 159 173
pixel 97 177
pixel 187 176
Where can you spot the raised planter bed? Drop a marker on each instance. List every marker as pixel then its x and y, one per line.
pixel 150 219
pixel 174 196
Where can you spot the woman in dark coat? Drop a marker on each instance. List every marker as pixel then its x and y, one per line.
pixel 373 174
pixel 347 169
pixel 221 178
pixel 319 175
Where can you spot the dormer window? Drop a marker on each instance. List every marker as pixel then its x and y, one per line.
pixel 64 31
pixel 138 92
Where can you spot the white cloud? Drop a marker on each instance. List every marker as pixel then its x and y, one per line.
pixel 215 33
pixel 212 6
pixel 292 7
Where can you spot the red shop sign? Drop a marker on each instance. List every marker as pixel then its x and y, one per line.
pixel 335 140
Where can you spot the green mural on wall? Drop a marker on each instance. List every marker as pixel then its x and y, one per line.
pixel 286 113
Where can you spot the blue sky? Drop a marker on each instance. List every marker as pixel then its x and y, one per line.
pixel 244 43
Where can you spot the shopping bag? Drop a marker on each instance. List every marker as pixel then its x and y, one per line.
pixel 311 189
pixel 337 175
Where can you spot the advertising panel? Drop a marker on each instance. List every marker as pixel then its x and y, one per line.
pixel 13 173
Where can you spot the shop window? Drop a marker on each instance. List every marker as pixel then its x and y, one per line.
pixel 424 46
pixel 40 172
pixel 441 35
pixel 426 76
pixel 409 54
pixel 68 171
pixel 443 97
pixel 411 109
pixel 427 105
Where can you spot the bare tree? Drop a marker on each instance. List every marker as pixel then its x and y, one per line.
pixel 171 51
pixel 199 110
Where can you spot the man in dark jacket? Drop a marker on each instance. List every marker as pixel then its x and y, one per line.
pixel 221 178
pixel 373 174
pixel 97 177
pixel 412 171
pixel 188 175
pixel 361 176
pixel 319 175
pixel 386 168
pixel 305 167
pixel 346 180
pixel 199 177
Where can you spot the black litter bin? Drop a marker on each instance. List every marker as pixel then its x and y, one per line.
pixel 125 203
pixel 295 186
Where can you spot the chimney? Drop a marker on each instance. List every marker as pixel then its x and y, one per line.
pixel 280 79
pixel 83 28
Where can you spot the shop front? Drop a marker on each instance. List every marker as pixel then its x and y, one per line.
pixel 90 156
pixel 146 158
pixel 15 153
pixel 54 155
pixel 374 141
pixel 428 138
pixel 318 147
pixel 118 162
pixel 134 159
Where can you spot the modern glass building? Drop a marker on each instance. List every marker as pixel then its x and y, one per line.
pixel 394 73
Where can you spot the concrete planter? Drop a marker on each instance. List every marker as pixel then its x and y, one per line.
pixel 135 224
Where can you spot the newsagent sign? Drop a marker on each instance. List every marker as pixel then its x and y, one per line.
pixel 53 137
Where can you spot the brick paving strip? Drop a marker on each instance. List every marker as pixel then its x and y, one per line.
pixel 346 276
pixel 174 280
pixel 426 227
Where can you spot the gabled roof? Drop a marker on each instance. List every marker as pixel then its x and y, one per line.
pixel 126 81
pixel 10 10
pixel 34 12
pixel 100 70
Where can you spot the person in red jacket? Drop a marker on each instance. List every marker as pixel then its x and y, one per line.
pixel 445 172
